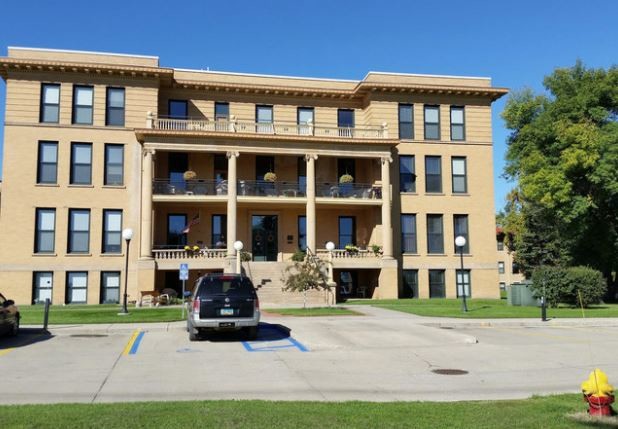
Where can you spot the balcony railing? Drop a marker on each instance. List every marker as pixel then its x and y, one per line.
pixel 344 254
pixel 348 190
pixel 171 254
pixel 262 188
pixel 189 187
pixel 276 128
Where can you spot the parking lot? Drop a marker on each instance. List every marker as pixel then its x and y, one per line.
pixel 381 356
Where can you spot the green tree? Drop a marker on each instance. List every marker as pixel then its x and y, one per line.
pixel 304 275
pixel 563 153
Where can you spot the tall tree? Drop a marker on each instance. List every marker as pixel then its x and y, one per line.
pixel 563 153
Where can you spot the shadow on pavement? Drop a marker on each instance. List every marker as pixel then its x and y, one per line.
pixel 266 332
pixel 26 337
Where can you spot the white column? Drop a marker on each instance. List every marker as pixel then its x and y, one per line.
pixel 146 227
pixel 311 216
pixel 231 203
pixel 387 229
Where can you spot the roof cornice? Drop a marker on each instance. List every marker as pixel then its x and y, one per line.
pixel 28 65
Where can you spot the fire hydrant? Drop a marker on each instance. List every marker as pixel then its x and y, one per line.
pixel 598 393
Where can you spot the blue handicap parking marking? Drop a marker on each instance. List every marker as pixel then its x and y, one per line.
pixel 271 339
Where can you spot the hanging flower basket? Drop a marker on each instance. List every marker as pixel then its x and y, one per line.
pixel 270 177
pixel 189 175
pixel 346 178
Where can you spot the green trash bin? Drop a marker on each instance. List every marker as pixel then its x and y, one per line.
pixel 521 294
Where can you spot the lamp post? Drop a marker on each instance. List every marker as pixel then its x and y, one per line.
pixel 460 241
pixel 238 247
pixel 330 246
pixel 127 234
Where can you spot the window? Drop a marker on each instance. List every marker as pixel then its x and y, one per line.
pixel 47 170
pixel 436 284
pixel 81 164
pixel 407 176
pixel 82 104
pixel 110 287
pixel 302 233
pixel 408 233
pixel 178 109
pixel 435 234
pixel 114 165
pixel 460 182
pixel 177 164
pixel 222 111
pixel 112 231
pixel 500 267
pixel 77 287
pixel 176 223
pixel 347 231
pixel 345 122
pixel 79 231
pixel 460 227
pixel 220 167
pixel 432 122
pixel 42 286
pixel 463 283
pixel 305 120
pixel 302 175
pixel 50 103
pixel 219 231
pixel 264 119
pixel 433 174
pixel 502 285
pixel 263 165
pixel 45 236
pixel 410 284
pixel 406 121
pixel 458 126
pixel 515 268
pixel 114 107
pixel 346 166
pixel 500 245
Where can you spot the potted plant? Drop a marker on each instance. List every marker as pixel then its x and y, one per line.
pixel 270 177
pixel 346 178
pixel 351 249
pixel 377 250
pixel 189 175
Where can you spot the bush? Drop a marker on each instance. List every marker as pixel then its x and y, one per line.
pixel 298 256
pixel 564 285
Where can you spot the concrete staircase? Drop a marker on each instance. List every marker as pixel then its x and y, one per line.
pixel 269 275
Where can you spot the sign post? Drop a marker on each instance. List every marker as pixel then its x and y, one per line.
pixel 184 276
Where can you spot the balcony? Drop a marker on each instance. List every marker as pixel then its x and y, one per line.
pixel 167 258
pixel 358 259
pixel 325 191
pixel 289 129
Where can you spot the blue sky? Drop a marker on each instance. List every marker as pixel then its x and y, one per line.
pixel 514 43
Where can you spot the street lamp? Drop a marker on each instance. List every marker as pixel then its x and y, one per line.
pixel 127 234
pixel 330 246
pixel 238 247
pixel 460 241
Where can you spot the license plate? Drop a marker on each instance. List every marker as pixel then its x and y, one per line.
pixel 227 312
pixel 226 325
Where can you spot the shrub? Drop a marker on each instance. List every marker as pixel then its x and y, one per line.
pixel 298 256
pixel 564 285
pixel 245 256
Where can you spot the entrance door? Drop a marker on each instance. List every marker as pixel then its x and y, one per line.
pixel 264 237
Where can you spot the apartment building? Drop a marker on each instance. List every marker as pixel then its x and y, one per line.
pixel 390 168
pixel 508 269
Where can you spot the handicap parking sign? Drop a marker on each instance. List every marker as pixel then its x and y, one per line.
pixel 184 272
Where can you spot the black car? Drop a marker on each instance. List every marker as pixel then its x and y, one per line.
pixel 9 316
pixel 223 302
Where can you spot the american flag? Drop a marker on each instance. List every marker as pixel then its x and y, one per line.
pixel 194 221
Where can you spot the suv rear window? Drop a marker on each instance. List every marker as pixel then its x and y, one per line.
pixel 225 286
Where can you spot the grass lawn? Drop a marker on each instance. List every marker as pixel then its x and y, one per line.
pixel 79 314
pixel 313 312
pixel 539 412
pixel 485 309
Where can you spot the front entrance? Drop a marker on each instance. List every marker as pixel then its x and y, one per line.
pixel 264 237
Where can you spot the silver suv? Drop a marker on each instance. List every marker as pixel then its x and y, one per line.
pixel 223 302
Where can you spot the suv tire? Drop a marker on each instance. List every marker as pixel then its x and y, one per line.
pixel 15 327
pixel 251 332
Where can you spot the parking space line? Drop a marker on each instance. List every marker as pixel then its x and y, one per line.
pixel 21 344
pixel 270 347
pixel 134 342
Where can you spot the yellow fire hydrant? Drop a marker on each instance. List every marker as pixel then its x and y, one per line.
pixel 598 393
